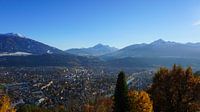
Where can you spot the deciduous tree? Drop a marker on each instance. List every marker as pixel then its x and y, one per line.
pixel 140 102
pixel 175 90
pixel 5 105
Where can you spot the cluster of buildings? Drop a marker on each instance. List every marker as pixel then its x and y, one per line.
pixel 71 87
pixel 52 86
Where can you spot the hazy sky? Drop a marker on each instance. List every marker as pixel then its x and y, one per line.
pixel 81 23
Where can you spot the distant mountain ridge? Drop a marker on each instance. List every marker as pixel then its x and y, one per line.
pixel 11 43
pixel 18 50
pixel 96 50
pixel 158 48
pixel 17 44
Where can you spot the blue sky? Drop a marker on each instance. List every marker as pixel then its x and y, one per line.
pixel 82 23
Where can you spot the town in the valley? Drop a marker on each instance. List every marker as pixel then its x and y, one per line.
pixel 72 87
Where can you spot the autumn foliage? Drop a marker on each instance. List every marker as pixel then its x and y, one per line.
pixel 132 101
pixel 102 105
pixel 5 105
pixel 140 102
pixel 175 90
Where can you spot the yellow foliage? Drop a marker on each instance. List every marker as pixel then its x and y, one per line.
pixel 5 105
pixel 140 102
pixel 175 90
pixel 104 105
pixel 101 105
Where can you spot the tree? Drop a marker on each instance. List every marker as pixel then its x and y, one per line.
pixel 101 104
pixel 5 105
pixel 175 90
pixel 140 102
pixel 104 105
pixel 121 94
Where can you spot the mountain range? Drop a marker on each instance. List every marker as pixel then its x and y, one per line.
pixel 16 44
pixel 97 50
pixel 17 50
pixel 158 48
pixel 12 43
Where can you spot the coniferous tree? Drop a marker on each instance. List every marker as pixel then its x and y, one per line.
pixel 121 103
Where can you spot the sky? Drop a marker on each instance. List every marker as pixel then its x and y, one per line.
pixel 83 23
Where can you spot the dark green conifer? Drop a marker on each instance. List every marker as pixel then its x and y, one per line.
pixel 121 103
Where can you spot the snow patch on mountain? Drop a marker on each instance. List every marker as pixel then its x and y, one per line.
pixel 15 54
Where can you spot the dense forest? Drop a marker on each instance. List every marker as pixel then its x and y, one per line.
pixel 172 90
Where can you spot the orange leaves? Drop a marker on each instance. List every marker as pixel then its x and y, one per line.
pixel 5 105
pixel 102 105
pixel 140 102
pixel 175 90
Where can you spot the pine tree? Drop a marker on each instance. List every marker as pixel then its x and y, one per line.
pixel 121 103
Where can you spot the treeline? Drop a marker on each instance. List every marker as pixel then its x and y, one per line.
pixel 175 90
pixel 172 90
